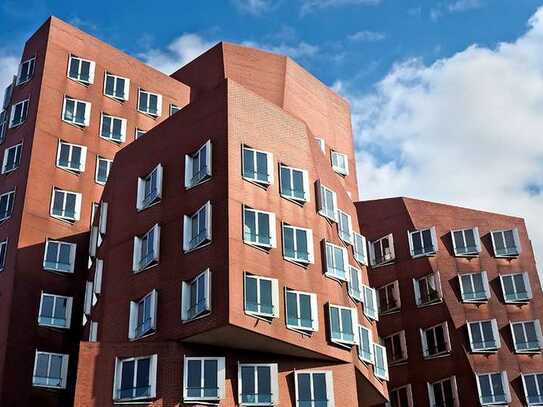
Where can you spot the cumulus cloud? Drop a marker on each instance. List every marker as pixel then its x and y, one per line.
pixel 8 67
pixel 312 5
pixel 367 36
pixel 254 7
pixel 464 5
pixel 296 51
pixel 467 130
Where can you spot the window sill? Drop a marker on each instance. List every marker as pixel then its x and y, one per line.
pixel 438 356
pixel 196 318
pixel 260 184
pixel 81 82
pixel 418 256
pixel 303 264
pixel 264 248
pixel 308 332
pixel 266 318
pixel 148 267
pixel 390 312
pixel 203 181
pixel 155 202
pixel 139 338
pixel 79 126
pixel 299 202
pixel 197 247
pixel 429 304
pixel 388 263
pixel 114 141
pixel 152 116
pixel 140 401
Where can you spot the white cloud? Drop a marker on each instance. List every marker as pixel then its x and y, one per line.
pixel 311 5
pixel 296 51
pixel 8 67
pixel 466 130
pixel 255 7
pixel 367 36
pixel 464 5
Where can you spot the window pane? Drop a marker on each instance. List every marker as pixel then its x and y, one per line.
pixel 248 384
pixel 194 375
pixel 248 164
pixel 292 307
pixel 264 384
pixel 305 311
pixel 304 389
pixel 262 166
pixel 210 378
pixel 301 243
pixel 142 378
pixel 288 235
pixel 319 388
pixel 266 296
pixel 251 302
pixel 47 306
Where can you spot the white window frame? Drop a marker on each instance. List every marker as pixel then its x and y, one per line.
pixel 354 325
pixel 97 279
pixel 67 314
pixel 346 235
pixel 269 166
pixel 92 68
pixel 437 281
pixel 108 165
pixel 527 284
pixel 24 113
pixel 454 388
pixel 505 385
pixel 133 326
pixel 466 252
pixel 174 107
pixel 329 386
pixel 431 251
pixel 73 249
pixel 495 336
pixel 365 355
pixel 188 246
pixel 305 184
pixel 102 221
pixel 271 232
pixel 539 335
pixel 186 299
pixel 18 152
pixel 153 362
pixel 323 204
pixel 30 65
pixel 10 201
pixel 86 119
pixel 369 292
pixel 446 335
pixel 322 144
pixel 340 170
pixel 516 239
pixel 147 112
pixel 3 254
pixel 191 179
pixel 139 133
pixel 354 283
pixel 403 346
pixel 380 350
pixel 70 154
pixel 109 136
pixel 63 370
pixel 143 202
pixel 77 209
pixel 314 311
pixel 388 257
pixel 396 297
pixel 137 265
pixel 220 379
pixel 309 239
pixel 471 276
pixel 274 386
pixel 126 88
pixel 360 250
pixel 394 395
pixel 539 388
pixel 274 285
pixel 330 268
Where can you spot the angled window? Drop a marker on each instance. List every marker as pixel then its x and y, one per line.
pixel 203 379
pixel 55 311
pixel 381 363
pixel 435 340
pixel 354 283
pixel 427 289
pixel 197 228
pixel 259 228
pixel 327 202
pixel 527 337
pixel 294 183
pixel 146 249
pixel 149 103
pixel 7 201
pixel 65 205
pixel 423 242
pixel 196 296
pixel 135 378
pixel 12 158
pixel 3 254
pixel 103 165
pixel 261 296
pixel 143 315
pixel 466 242
pixel 382 251
pixel 150 188
pixel 19 112
pixel 50 370
pixel 345 227
pixel 314 388
pixel 102 220
pixel 370 302
pixel 493 388
pixel 198 166
pixel 343 325
pixel 484 336
pixel 76 112
pixel 174 109
pixel 88 299
pixel 337 265
pixel 359 249
pixel 365 344
pixel 26 71
pixel 139 133
pixel 389 298
pixel 97 280
pixel 320 142
pixel 532 384
pixel 3 125
pixel 113 128
pixel 443 393
pixel 516 288
pixel 474 287
pixel 396 348
pixel 403 397
pixel 81 70
pixel 257 384
pixel 59 256
pixel 257 166
pixel 506 243
pixel 93 331
pixel 8 93
pixel 116 87
pixel 71 157
pixel 301 310
pixel 298 244
pixel 340 163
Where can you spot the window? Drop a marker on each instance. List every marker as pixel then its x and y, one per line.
pixel 396 348
pixel 259 228
pixel 81 70
pixel 71 157
pixel 359 249
pixel 343 325
pixel 527 336
pixel 506 243
pixel 381 364
pixel 435 340
pixel 65 205
pixel 76 112
pixel 365 347
pixel 97 280
pixel 314 389
pixel 298 244
pixel 474 287
pixel 294 183
pixel 261 296
pixel 516 288
pixel 389 298
pixel 198 166
pixel 139 133
pixel 301 309
pixel 146 249
pixel 257 384
pixel 340 163
pixel 150 188
pixel 135 378
pixel 149 103
pixel 143 315
pixel 116 87
pixel 19 112
pixel 493 388
pixel 103 165
pixel 466 242
pixel 113 128
pixel 327 202
pixel 59 256
pixel 428 289
pixel 484 336
pixel 403 397
pixel 382 251
pixel 50 370
pixel 55 311
pixel 93 331
pixel 423 242
pixel 174 109
pixel 443 393
pixel 370 303
pixel 337 265
pixel 102 221
pixel 93 240
pixel 196 296
pixel 12 158
pixel 320 142
pixel 354 283
pixel 533 388
pixel 89 299
pixel 203 379
pixel 26 71
pixel 197 228
pixel 8 93
pixel 3 253
pixel 3 125
pixel 257 166
pixel 345 227
pixel 6 205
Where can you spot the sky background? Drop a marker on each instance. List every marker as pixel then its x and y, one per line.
pixel 447 96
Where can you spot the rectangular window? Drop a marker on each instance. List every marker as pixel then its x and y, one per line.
pixel 149 103
pixel 337 265
pixel 3 254
pixel 381 364
pixel 443 393
pixel 365 347
pixel 516 288
pixel 527 337
pixel 345 227
pixel 320 142
pixel 466 242
pixel 26 71
pixel 88 300
pixel 198 166
pixel 359 249
pixel 76 112
pixel 150 188
pixel 55 311
pixel 203 379
pixel 197 228
pixel 428 289
pixel 19 112
pixel 389 298
pixel 97 280
pixel 298 244
pixel 257 166
pixel 102 220
pixel 294 183
pixel 174 109
pixel 65 205
pixel 103 165
pixel 59 256
pixel 327 202
pixel 113 128
pixel 354 283
pixel 301 309
pixel 370 303
pixel 493 388
pixel 343 325
pixel 8 93
pixel 12 158
pixel 257 384
pixel 116 87
pixel 261 296
pixel 484 336
pixel 81 70
pixel 143 315
pixel 506 243
pixel 50 370
pixel 146 249
pixel 196 296
pixel 259 228
pixel 340 163
pixel 314 389
pixel 423 242
pixel 403 397
pixel 7 201
pixel 533 388
pixel 396 348
pixel 135 378
pixel 435 340
pixel 474 287
pixel 139 133
pixel 3 125
pixel 71 157
pixel 382 251
pixel 93 331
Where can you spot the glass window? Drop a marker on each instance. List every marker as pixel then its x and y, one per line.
pixel 428 289
pixel 71 157
pixel 345 227
pixel 81 70
pixel 314 389
pixel 381 364
pixel 65 205
pixel 59 256
pixel 493 388
pixel 261 296
pixel 76 112
pixel 298 244
pixel 423 242
pixel 382 251
pixel 174 109
pixel 435 340
pixel 527 336
pixel 143 316
pixel 370 303
pixel 327 202
pixel 474 287
pixel 259 227
pixel 343 324
pixel 443 393
pixel 146 249
pixel 50 370
pixel 294 183
pixel 484 336
pixel 336 261
pixel 354 283
pixel 196 296
pixel 150 188
pixel 389 298
pixel 197 228
pixel 19 112
pixel 203 379
pixel 320 142
pixel 257 384
pixel 12 158
pixel 26 71
pixel 533 388
pixel 113 128
pixel 198 166
pixel 257 166
pixel 135 378
pixel 466 242
pixel 359 249
pixel 302 313
pixel 506 243
pixel 103 165
pixel 149 103
pixel 365 347
pixel 516 288
pixel 139 133
pixel 340 163
pixel 6 205
pixel 3 125
pixel 403 397
pixel 396 348
pixel 55 311
pixel 3 254
pixel 116 87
